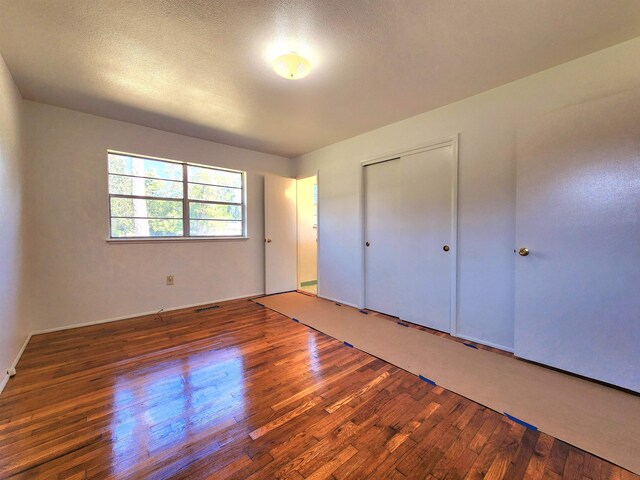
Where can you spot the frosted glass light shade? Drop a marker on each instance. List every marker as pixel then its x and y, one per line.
pixel 291 66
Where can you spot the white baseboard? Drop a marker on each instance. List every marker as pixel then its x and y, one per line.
pixel 22 349
pixel 142 314
pixel 340 301
pixel 3 382
pixel 465 337
pixel 5 376
pixel 484 342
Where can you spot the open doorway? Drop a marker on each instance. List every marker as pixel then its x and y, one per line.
pixel 307 206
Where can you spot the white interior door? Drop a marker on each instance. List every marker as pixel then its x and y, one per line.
pixel 280 229
pixel 578 213
pixel 426 253
pixel 382 193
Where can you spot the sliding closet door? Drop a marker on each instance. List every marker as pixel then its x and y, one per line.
pixel 410 205
pixel 426 258
pixel 578 216
pixel 383 189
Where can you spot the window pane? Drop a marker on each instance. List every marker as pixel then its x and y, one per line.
pixel 147 199
pixel 215 212
pixel 214 194
pixel 142 227
pixel 142 167
pixel 144 187
pixel 214 228
pixel 137 207
pixel 215 177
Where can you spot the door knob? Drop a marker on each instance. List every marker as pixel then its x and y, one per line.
pixel 523 252
pixel 368 244
pixel 446 248
pixel 267 240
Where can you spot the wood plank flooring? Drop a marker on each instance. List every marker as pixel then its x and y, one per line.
pixel 243 392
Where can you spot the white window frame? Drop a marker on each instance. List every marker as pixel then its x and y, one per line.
pixel 185 203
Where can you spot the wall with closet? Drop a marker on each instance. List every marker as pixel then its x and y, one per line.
pixel 487 124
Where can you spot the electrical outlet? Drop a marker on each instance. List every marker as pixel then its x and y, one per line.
pixel 169 279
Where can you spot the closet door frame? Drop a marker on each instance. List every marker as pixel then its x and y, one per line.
pixel 450 141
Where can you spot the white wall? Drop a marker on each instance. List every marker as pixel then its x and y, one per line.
pixel 487 124
pixel 77 276
pixel 13 324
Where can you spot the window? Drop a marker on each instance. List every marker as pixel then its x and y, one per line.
pixel 154 198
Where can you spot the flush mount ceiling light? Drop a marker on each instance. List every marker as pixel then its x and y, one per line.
pixel 292 66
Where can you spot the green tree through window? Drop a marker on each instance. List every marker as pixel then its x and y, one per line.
pixel 160 198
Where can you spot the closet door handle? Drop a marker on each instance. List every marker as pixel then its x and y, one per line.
pixel 368 244
pixel 446 248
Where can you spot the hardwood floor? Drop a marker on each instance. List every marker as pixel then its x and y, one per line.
pixel 243 392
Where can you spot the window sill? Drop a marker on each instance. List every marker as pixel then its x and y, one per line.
pixel 174 239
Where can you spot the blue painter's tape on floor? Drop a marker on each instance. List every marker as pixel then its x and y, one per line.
pixel 470 345
pixel 295 320
pixel 425 379
pixel 364 311
pixel 348 344
pixel 403 324
pixel 520 422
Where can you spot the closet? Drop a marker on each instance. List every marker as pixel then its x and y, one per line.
pixel 410 235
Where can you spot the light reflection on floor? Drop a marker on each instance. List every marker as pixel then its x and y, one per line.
pixel 179 399
pixel 314 362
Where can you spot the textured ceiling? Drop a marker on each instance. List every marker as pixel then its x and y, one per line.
pixel 202 68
